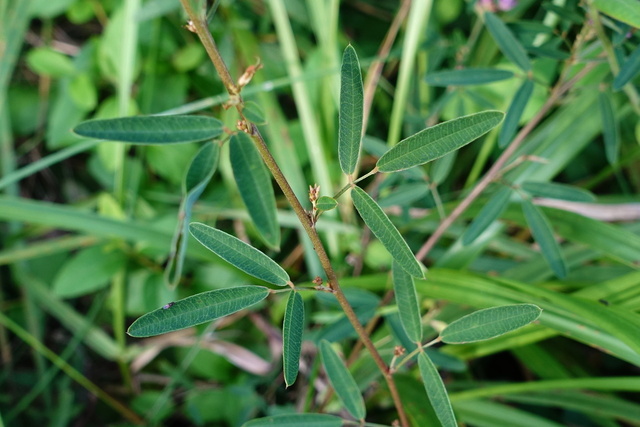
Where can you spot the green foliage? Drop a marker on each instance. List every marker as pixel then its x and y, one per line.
pixel 522 256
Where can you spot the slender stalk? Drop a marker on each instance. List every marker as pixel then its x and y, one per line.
pixel 199 25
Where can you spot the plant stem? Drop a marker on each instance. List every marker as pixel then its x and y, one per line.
pixel 199 24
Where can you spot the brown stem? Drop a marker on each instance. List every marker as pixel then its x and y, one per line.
pixel 200 27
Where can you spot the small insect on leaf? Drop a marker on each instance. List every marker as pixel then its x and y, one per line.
pixel 168 306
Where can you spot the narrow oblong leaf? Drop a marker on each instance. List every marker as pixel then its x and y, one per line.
pixel 197 178
pixel 386 232
pixel 407 302
pixel 628 70
pixel 552 190
pixel 296 420
pixel 507 42
pixel 351 111
pixel 197 309
pixel 626 11
pixel 292 328
pixel 467 77
pixel 542 233
pixel 489 213
pixel 151 130
pixel 437 141
pixel 489 323
pixel 256 190
pixel 342 381
pixel 436 391
pixel 326 203
pixel 238 253
pixel 610 131
pixel 514 113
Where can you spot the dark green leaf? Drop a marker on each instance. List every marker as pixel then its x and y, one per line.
pixel 506 41
pixel 407 302
pixel 467 77
pixel 541 230
pixel 238 253
pixel 351 111
pixel 554 190
pixel 198 175
pixel 489 323
pixel 514 113
pixel 385 231
pixel 254 113
pixel 342 381
pixel 437 141
pixel 254 183
pixel 436 391
pixel 489 213
pixel 152 129
pixel 626 11
pixel 610 131
pixel 628 70
pixel 292 329
pixel 296 420
pixel 326 203
pixel 197 309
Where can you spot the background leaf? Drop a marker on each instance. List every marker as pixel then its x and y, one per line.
pixel 436 141
pixel 197 309
pixel 553 190
pixel 514 113
pixel 487 215
pixel 628 70
pixel 506 41
pixel 238 253
pixel 342 381
pixel 436 391
pixel 292 329
pixel 610 131
pixel 467 77
pixel 623 10
pixel 254 183
pixel 351 111
pixel 152 129
pixel 489 323
pixel 541 230
pixel 295 420
pixel 385 231
pixel 407 302
pixel 326 203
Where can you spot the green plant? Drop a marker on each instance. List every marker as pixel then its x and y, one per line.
pixel 525 161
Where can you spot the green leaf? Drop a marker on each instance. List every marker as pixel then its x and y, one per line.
pixel 487 215
pixel 489 323
pixel 48 62
pixel 88 271
pixel 342 381
pixel 296 420
pixel 292 329
pixel 254 183
pixel 351 111
pixel 238 253
pixel 626 11
pixel 437 141
pixel 197 309
pixel 514 113
pixel 628 70
pixel 326 203
pixel 152 129
pixel 610 131
pixel 407 302
pixel 200 172
pixel 253 112
pixel 436 391
pixel 386 232
pixel 467 77
pixel 554 190
pixel 507 42
pixel 542 233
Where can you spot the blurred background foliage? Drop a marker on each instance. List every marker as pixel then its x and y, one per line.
pixel 87 227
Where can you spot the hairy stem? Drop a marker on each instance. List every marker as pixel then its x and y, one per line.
pixel 199 25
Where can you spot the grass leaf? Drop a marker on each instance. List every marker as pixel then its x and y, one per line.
pixel 542 233
pixel 467 77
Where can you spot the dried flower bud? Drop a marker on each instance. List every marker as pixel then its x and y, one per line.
pixel 246 77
